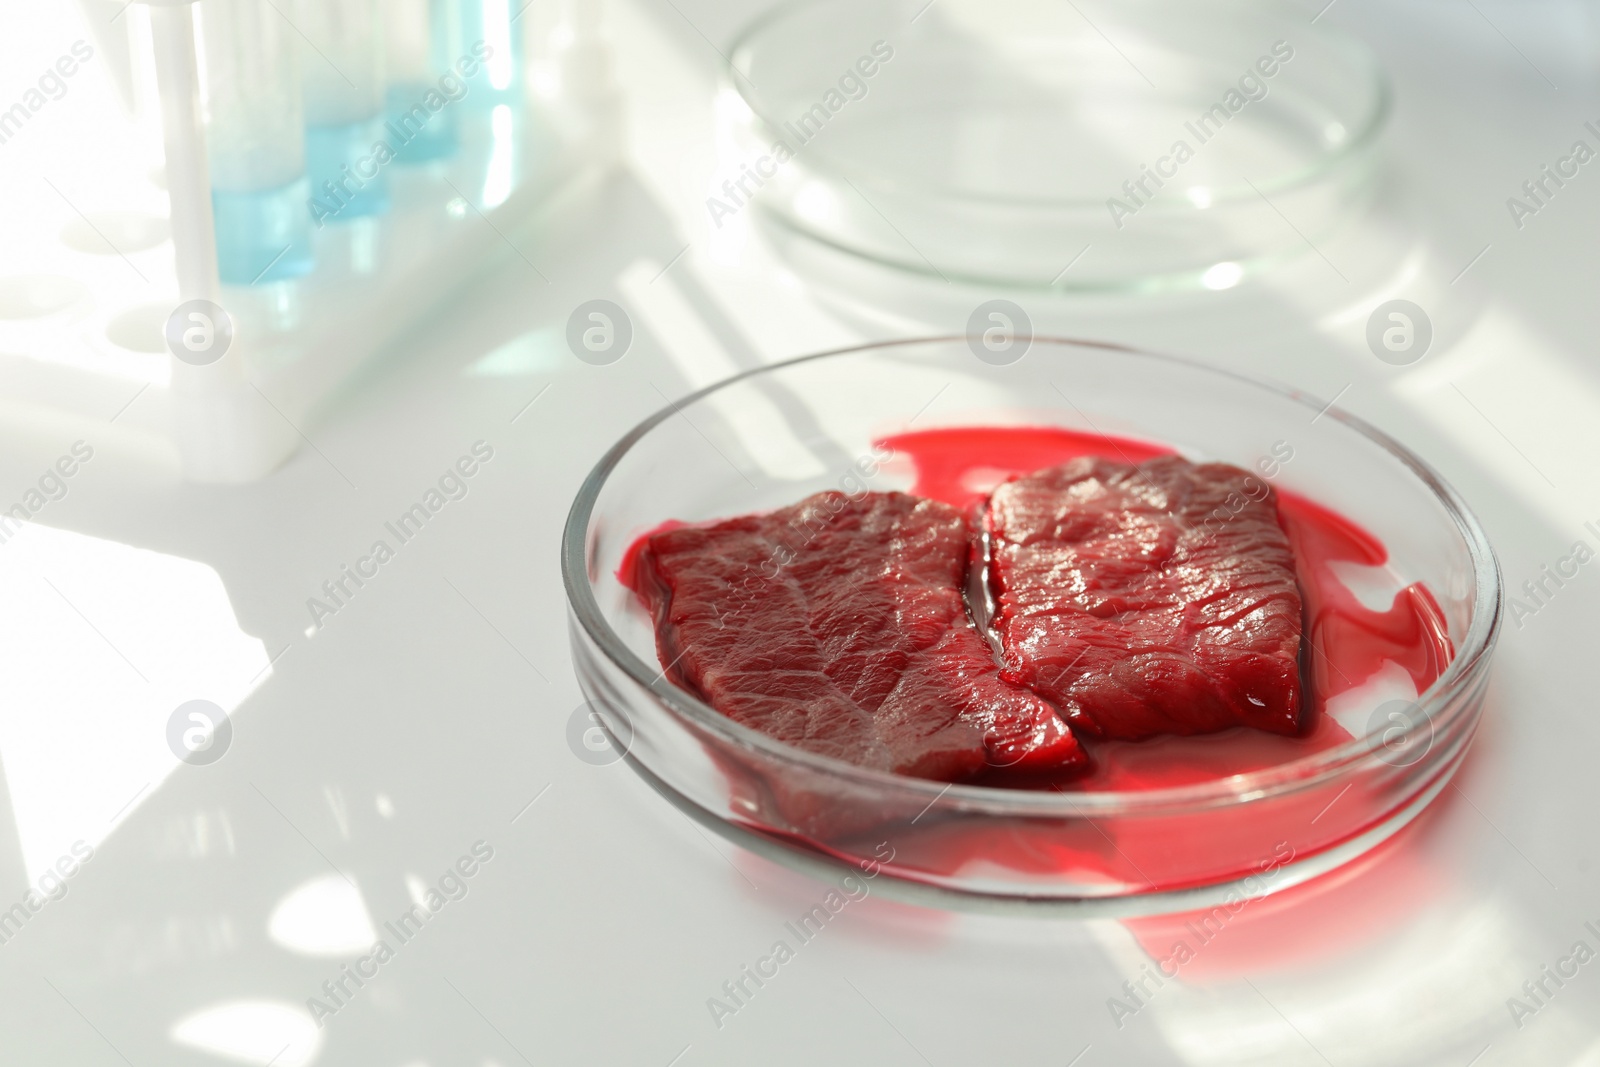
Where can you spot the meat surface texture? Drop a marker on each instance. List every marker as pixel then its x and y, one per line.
pixel 838 626
pixel 1149 599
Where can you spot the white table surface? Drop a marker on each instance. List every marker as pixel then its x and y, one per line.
pixel 431 709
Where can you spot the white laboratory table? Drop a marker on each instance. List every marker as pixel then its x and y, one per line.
pixel 424 725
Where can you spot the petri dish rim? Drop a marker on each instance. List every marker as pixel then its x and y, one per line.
pixel 1365 135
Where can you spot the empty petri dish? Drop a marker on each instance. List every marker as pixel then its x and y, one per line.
pixel 1155 145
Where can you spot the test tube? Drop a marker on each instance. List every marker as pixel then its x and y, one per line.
pixel 255 142
pixel 494 25
pixel 341 71
pixel 424 43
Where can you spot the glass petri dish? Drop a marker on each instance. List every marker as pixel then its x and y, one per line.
pixel 772 436
pixel 1162 145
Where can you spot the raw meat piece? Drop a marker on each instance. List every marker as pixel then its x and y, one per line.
pixel 837 625
pixel 1149 599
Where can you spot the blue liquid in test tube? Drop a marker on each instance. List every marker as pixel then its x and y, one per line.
pixel 255 143
pixel 422 101
pixel 341 64
pixel 262 235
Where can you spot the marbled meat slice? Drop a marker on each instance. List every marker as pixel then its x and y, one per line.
pixel 1148 599
pixel 838 626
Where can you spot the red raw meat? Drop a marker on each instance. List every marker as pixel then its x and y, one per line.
pixel 838 626
pixel 1149 599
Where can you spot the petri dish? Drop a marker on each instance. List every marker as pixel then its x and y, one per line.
pixel 1161 145
pixel 769 437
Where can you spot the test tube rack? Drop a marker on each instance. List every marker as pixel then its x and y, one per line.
pixel 236 416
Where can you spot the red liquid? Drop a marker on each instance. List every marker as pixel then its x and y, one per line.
pixel 1352 642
